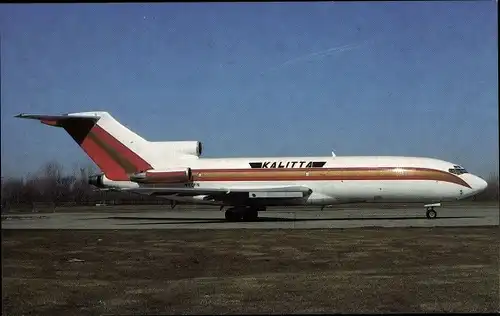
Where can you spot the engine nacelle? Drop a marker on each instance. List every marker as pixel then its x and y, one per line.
pixel 97 180
pixel 192 148
pixel 163 176
pixel 102 182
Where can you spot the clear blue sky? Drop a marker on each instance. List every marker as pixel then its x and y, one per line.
pixel 257 79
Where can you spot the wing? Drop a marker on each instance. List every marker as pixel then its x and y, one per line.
pixel 287 192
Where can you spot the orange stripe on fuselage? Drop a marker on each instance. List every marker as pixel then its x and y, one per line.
pixel 308 174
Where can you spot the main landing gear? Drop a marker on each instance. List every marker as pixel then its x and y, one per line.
pixel 246 214
pixel 431 213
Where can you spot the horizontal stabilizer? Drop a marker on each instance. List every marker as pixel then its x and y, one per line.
pixel 56 120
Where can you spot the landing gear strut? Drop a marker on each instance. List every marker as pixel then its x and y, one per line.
pixel 246 214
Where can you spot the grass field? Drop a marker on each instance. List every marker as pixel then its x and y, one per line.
pixel 250 271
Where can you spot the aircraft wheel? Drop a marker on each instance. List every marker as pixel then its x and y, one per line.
pixel 250 215
pixel 232 216
pixel 431 213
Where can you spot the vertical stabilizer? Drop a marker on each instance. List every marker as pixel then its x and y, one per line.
pixel 113 147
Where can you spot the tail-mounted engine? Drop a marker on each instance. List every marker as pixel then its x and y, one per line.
pixel 163 176
pixel 194 148
pixel 189 148
pixel 97 181
pixel 102 182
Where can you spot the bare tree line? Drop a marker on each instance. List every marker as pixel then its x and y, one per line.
pixel 52 185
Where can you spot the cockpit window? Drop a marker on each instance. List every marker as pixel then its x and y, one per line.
pixel 458 170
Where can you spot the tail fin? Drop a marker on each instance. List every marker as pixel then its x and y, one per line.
pixel 112 146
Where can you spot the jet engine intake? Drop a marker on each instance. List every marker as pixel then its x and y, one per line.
pixel 97 181
pixel 163 176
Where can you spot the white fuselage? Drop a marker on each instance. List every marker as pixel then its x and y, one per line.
pixel 335 191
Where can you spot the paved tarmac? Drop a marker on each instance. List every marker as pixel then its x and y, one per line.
pixel 279 218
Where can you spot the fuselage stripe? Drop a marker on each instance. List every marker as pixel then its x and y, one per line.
pixel 319 174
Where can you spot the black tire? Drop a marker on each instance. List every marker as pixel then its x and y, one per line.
pixel 250 215
pixel 232 216
pixel 431 214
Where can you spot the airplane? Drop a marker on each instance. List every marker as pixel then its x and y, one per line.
pixel 176 171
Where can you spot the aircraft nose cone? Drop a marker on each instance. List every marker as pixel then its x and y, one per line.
pixel 478 184
pixel 483 185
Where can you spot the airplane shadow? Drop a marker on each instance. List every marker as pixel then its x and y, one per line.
pixel 191 220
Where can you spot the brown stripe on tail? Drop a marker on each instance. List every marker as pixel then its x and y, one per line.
pixel 114 159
